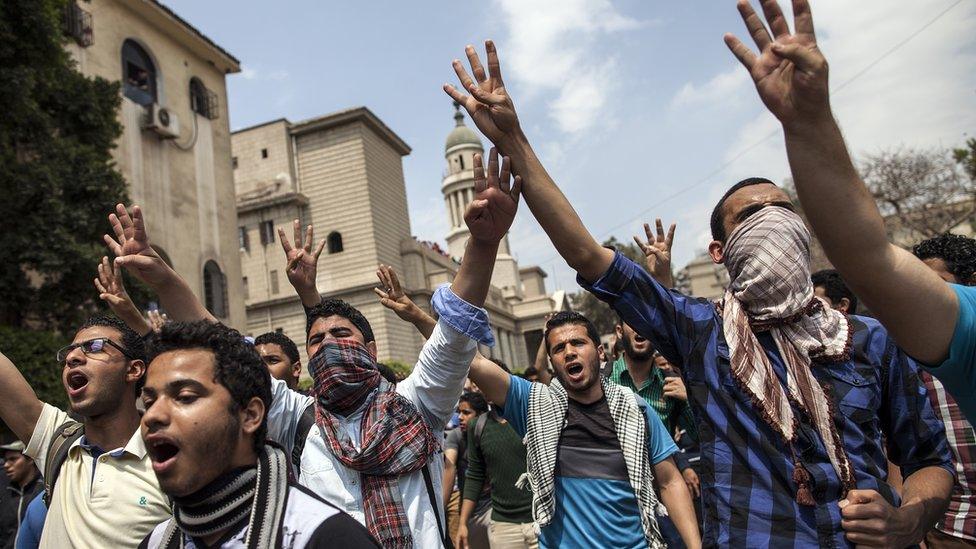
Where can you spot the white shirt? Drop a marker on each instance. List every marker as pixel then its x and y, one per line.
pixel 433 387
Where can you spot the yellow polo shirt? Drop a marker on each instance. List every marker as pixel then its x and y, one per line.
pixel 114 502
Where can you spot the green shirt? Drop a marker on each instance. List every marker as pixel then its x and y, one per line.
pixel 500 459
pixel 674 413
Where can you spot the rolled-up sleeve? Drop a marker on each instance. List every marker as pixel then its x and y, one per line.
pixel 438 377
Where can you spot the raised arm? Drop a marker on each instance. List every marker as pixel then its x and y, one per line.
pixel 790 74
pixel 133 252
pixel 392 297
pixel 112 292
pixel 542 361
pixel 657 252
pixel 19 405
pixel 302 263
pixel 492 110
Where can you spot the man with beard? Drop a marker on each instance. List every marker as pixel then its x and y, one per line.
pixel 206 395
pixel 105 494
pixel 792 396
pixel 374 449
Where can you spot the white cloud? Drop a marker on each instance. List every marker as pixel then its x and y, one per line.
pixel 720 88
pixel 552 50
pixel 247 73
pixel 251 73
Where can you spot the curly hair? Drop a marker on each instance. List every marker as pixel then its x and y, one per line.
pixel 476 401
pixel 957 251
pixel 133 343
pixel 338 307
pixel 237 365
pixel 281 340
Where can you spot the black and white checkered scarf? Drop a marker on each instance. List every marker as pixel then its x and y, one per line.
pixel 256 494
pixel 546 419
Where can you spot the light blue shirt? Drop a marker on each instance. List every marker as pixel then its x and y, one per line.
pixel 958 372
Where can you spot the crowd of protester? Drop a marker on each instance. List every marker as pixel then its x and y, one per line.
pixel 775 417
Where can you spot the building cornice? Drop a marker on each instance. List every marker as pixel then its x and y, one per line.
pixel 349 116
pixel 168 21
pixel 263 202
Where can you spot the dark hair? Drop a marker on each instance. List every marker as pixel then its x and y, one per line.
pixel 502 365
pixel 281 340
pixel 958 252
pixel 388 373
pixel 338 307
pixel 133 343
pixel 237 365
pixel 530 371
pixel 571 317
pixel 718 228
pixel 475 400
pixel 835 287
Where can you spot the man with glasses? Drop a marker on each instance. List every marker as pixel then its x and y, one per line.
pixel 104 492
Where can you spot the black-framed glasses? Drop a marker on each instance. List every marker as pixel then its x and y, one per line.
pixel 90 347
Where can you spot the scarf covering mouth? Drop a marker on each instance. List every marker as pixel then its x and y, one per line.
pixel 395 440
pixel 256 494
pixel 768 258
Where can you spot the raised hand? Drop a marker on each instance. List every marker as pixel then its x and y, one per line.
pixel 492 211
pixel 391 295
pixel 111 290
pixel 131 246
pixel 657 252
pixel 489 105
pixel 302 263
pixel 790 71
pixel 157 320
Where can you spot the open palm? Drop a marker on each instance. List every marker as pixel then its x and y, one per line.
pixel 489 105
pixel 790 71
pixel 490 214
pixel 131 246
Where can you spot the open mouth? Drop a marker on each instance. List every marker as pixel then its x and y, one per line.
pixel 639 339
pixel 162 452
pixel 77 382
pixel 574 369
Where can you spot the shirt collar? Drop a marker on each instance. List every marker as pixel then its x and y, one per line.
pixel 135 447
pixel 655 375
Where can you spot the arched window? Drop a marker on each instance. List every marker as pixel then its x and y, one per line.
pixel 214 289
pixel 202 100
pixel 335 242
pixel 138 74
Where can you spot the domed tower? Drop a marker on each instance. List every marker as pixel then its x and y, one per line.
pixel 458 189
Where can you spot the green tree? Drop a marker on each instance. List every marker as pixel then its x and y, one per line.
pixel 966 157
pixel 57 176
pixel 599 313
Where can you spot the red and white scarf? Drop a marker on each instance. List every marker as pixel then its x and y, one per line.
pixel 768 259
pixel 395 439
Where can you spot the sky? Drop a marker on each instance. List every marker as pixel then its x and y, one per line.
pixel 636 108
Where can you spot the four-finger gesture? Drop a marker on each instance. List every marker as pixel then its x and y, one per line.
pixel 790 72
pixel 111 290
pixel 657 252
pixel 302 262
pixel 489 105
pixel 492 211
pixel 391 295
pixel 131 246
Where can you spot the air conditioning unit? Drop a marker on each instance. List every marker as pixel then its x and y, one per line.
pixel 162 121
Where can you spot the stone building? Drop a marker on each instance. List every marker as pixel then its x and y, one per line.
pixel 343 173
pixel 174 151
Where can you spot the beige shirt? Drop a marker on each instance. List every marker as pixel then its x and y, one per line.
pixel 117 508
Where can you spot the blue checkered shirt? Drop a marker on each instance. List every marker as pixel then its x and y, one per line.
pixel 747 488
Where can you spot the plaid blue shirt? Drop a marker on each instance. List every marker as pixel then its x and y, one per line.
pixel 747 486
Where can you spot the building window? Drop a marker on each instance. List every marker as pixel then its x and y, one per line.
pixel 78 24
pixel 264 153
pixel 273 281
pixel 461 160
pixel 202 100
pixel 247 290
pixel 138 74
pixel 214 289
pixel 335 242
pixel 243 240
pixel 267 232
pixel 233 162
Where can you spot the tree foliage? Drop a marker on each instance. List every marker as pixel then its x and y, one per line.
pixel 599 313
pixel 57 176
pixel 34 353
pixel 966 157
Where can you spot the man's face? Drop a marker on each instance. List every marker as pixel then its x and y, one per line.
pixel 331 328
pixel 637 347
pixel 192 431
pixel 575 357
pixel 466 413
pixel 19 468
pixel 743 203
pixel 278 363
pixel 843 306
pixel 97 383
pixel 938 265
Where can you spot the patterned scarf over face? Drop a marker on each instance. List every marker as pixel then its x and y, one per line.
pixel 768 258
pixel 395 439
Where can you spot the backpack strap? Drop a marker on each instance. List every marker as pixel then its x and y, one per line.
pixel 445 538
pixel 57 453
pixel 305 423
pixel 479 427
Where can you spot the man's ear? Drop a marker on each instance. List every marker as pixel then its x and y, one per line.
pixel 252 415
pixel 844 306
pixel 717 251
pixel 618 330
pixel 371 347
pixel 136 370
pixel 296 368
pixel 601 353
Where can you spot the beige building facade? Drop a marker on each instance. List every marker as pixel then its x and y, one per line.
pixel 175 148
pixel 343 173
